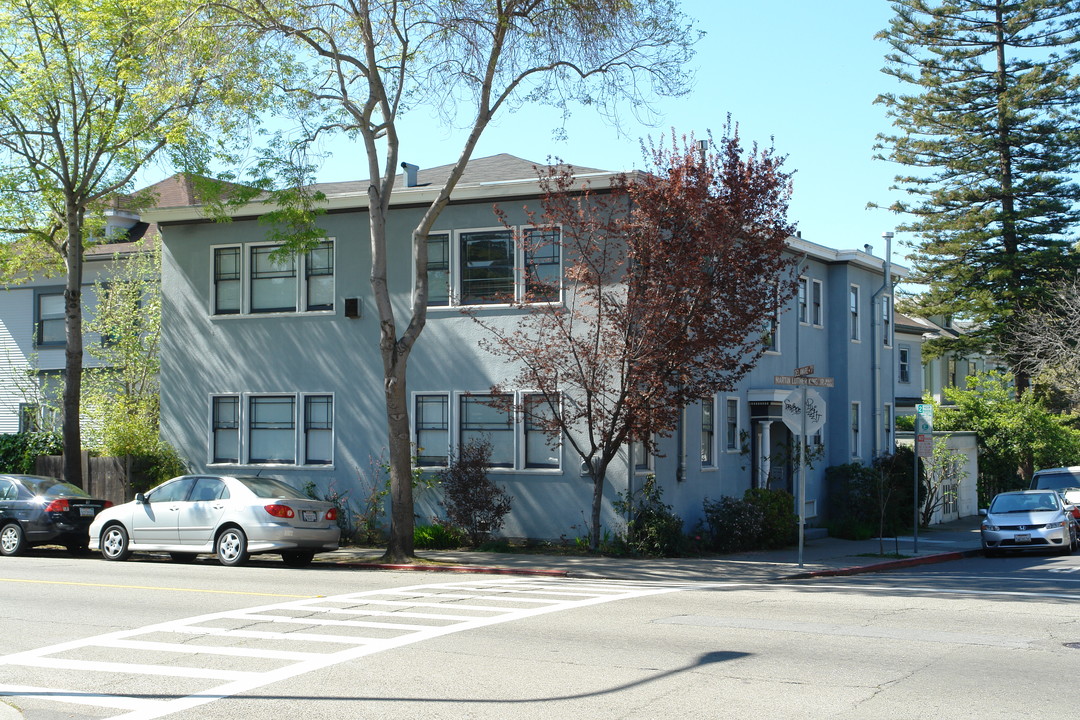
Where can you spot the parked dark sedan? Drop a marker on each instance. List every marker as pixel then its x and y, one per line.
pixel 38 510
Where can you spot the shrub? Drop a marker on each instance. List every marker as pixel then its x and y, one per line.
pixel 653 530
pixel 762 520
pixel 868 501
pixel 473 503
pixel 437 536
pixel 19 451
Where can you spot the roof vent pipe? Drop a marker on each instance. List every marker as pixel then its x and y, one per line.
pixel 868 249
pixel 410 173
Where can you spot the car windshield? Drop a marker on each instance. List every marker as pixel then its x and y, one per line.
pixel 265 487
pixel 1055 481
pixel 52 487
pixel 1027 502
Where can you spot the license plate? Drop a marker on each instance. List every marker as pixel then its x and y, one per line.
pixel 309 515
pixel 86 512
pixel 1022 537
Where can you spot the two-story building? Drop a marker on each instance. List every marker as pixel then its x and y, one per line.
pixel 274 367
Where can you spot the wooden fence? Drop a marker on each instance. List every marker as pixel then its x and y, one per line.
pixel 103 477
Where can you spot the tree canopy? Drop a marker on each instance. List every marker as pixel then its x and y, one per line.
pixel 990 130
pixel 90 93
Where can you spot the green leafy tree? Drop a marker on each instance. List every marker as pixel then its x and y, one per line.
pixel 373 60
pixel 1013 435
pixel 990 133
pixel 92 92
pixel 121 396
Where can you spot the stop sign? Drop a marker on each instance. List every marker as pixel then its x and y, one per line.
pixel 804 405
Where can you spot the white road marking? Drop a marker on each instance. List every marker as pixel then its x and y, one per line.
pixel 490 602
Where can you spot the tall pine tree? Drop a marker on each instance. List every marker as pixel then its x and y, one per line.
pixel 991 134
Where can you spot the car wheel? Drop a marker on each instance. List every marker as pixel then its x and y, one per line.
pixel 12 540
pixel 181 557
pixel 298 558
pixel 232 547
pixel 114 543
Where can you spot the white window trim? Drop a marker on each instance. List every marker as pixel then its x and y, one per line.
pixel 819 321
pixel 717 425
pixel 738 422
pixel 245 282
pixel 650 464
pixel 803 306
pixel 854 323
pixel 414 416
pixel 244 430
pixel 900 363
pixel 454 262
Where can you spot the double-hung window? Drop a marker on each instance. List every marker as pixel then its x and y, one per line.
pixel 482 419
pixel 432 419
pixel 540 451
pixel 494 266
pixel 281 429
pixel 817 316
pixel 804 300
pixel 254 279
pixel 708 432
pixel 905 364
pixel 50 319
pixel 853 311
pixel 731 425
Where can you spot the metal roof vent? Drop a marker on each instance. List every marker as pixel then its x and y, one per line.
pixel 410 173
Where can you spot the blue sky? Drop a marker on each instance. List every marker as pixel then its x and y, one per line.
pixel 804 73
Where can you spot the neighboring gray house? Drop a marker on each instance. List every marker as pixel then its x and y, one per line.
pixel 275 368
pixel 32 335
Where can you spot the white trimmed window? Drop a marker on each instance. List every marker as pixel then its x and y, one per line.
pixel 817 295
pixel 486 266
pixel 708 432
pixel 252 280
pixel 886 321
pixel 731 424
pixel 853 312
pixel 272 429
pixel 431 420
pixel 905 364
pixel 49 319
pixel 804 300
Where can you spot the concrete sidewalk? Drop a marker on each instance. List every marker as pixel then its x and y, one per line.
pixel 822 556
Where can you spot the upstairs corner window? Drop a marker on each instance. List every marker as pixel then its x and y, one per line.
pixel 273 281
pixel 543 266
pixel 438 269
pixel 804 300
pixel 319 273
pixel 227 280
pixel 817 315
pixel 487 267
pixel 853 311
pixel 50 319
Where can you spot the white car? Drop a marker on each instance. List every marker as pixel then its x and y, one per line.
pixel 232 516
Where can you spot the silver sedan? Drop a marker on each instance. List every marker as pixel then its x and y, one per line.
pixel 1028 520
pixel 232 516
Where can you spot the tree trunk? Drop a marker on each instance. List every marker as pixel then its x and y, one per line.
pixel 73 350
pixel 400 546
pixel 598 475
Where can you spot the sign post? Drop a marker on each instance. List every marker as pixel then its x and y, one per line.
pixel 924 448
pixel 804 413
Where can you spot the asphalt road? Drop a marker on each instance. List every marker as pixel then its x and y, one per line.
pixel 979 638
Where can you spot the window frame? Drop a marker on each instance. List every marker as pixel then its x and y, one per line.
pixel 417 430
pixel 854 313
pixel 817 303
pixel 886 321
pixel 708 434
pixel 803 300
pixel 302 276
pixel 855 438
pixel 732 423
pixel 519 276
pixel 301 430
pixel 903 361
pixel 39 320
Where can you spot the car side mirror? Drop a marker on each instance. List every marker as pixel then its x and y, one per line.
pixel 982 511
pixel 140 498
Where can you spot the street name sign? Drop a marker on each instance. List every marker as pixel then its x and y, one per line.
pixel 826 382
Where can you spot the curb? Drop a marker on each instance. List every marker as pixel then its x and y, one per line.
pixel 463 569
pixel 888 565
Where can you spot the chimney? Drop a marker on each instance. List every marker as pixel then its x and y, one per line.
pixel 410 173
